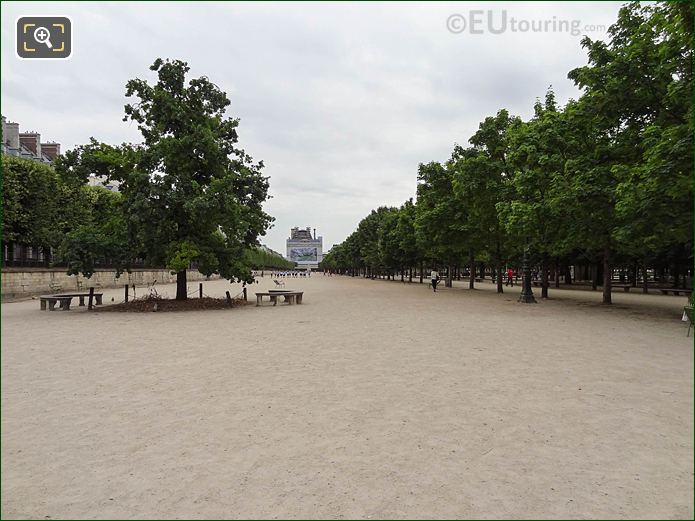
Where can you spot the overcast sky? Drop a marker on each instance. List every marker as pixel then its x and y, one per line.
pixel 340 100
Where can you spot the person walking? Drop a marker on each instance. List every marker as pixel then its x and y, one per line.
pixel 435 279
pixel 510 277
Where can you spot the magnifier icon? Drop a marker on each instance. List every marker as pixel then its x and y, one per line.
pixel 42 35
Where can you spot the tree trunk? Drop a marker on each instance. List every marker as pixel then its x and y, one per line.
pixel 557 274
pixel 568 275
pixel 544 278
pixel 607 276
pixel 645 282
pixel 181 287
pixel 498 267
pixel 449 277
pixel 471 280
pixel 422 268
pixel 410 274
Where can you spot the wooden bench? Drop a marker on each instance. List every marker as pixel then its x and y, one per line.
pixel 666 291
pixel 291 297
pixel 53 299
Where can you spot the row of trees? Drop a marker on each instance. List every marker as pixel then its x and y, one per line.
pixel 74 224
pixel 260 259
pixel 606 179
pixel 42 211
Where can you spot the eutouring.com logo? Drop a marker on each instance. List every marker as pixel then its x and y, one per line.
pixel 499 22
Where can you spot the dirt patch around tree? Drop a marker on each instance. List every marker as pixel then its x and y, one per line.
pixel 152 303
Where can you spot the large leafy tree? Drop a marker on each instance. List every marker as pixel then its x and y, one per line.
pixel 408 244
pixel 368 240
pixel 202 202
pixel 440 222
pixel 390 253
pixel 481 181
pixel 538 152
pixel 191 196
pixel 637 109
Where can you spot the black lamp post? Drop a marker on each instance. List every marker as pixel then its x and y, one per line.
pixel 526 296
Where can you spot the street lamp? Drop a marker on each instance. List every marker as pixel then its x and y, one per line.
pixel 526 296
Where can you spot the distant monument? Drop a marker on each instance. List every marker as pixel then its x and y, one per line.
pixel 305 250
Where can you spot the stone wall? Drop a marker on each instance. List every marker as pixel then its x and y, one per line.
pixel 25 282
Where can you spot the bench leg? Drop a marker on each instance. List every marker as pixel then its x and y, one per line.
pixel 299 299
pixel 51 305
pixel 258 300
pixel 65 306
pixel 98 297
pixel 274 300
pixel 43 305
pixel 81 300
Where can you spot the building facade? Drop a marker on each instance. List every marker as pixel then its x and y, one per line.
pixel 26 145
pixel 304 249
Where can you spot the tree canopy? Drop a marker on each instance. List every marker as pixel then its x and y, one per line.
pixel 191 196
pixel 607 178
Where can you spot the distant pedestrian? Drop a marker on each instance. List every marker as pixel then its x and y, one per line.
pixel 435 279
pixel 510 277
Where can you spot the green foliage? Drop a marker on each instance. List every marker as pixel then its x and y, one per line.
pixel 190 195
pixel 33 197
pixel 100 237
pixel 439 217
pixel 260 259
pixel 608 175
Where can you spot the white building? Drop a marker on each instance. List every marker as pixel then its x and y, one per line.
pixel 305 250
pixel 100 180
